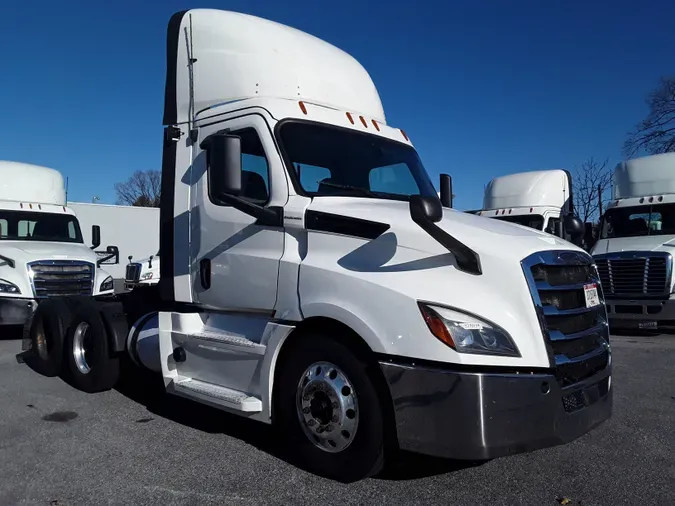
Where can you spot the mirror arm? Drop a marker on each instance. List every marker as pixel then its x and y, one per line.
pixel 265 215
pixel 467 259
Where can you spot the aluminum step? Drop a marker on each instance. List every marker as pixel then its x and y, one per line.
pixel 236 343
pixel 227 397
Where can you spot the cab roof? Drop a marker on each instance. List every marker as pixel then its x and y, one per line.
pixel 236 56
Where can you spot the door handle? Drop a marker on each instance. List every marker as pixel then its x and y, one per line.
pixel 205 273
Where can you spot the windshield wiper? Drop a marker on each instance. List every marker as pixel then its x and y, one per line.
pixel 362 191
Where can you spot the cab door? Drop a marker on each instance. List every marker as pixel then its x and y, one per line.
pixel 235 260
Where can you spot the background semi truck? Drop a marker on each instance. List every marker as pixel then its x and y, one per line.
pixel 133 229
pixel 42 249
pixel 636 243
pixel 540 199
pixel 305 266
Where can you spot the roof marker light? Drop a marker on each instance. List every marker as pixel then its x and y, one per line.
pixel 64 209
pixel 40 206
pixel 642 200
pixel 510 211
pixel 302 107
pixel 651 199
pixel 30 205
pixel 660 199
pixel 21 204
pixel 404 135
pixel 349 117
pixel 363 121
pixel 531 209
pixel 376 126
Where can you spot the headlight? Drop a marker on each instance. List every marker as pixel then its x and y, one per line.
pixel 107 285
pixel 147 275
pixel 466 333
pixel 7 287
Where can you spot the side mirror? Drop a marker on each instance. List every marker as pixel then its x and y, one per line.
pixel 95 236
pixel 224 164
pixel 111 256
pixel 425 209
pixel 589 241
pixel 574 227
pixel 446 190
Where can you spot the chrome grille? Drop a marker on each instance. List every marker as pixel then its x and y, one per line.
pixel 635 274
pixel 576 337
pixel 53 278
pixel 133 273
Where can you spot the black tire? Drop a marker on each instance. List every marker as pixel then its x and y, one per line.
pixel 45 331
pixel 99 370
pixel 365 454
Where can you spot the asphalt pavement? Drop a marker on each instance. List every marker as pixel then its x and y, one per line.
pixel 135 446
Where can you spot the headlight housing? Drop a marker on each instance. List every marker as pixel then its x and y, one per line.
pixel 7 287
pixel 107 284
pixel 466 333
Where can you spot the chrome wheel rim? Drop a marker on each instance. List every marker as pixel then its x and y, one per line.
pixel 327 407
pixel 81 345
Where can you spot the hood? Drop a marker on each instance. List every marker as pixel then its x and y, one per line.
pixel 27 251
pixel 487 237
pixel 642 243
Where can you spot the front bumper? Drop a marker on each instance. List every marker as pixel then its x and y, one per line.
pixel 641 313
pixel 16 311
pixel 480 416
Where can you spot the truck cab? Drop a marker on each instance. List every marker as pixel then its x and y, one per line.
pixel 312 279
pixel 142 272
pixel 636 242
pixel 540 199
pixel 42 253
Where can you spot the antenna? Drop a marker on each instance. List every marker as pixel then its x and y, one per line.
pixel 66 189
pixel 191 61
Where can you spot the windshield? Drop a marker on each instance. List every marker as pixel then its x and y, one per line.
pixel 535 221
pixel 639 221
pixel 337 161
pixel 29 226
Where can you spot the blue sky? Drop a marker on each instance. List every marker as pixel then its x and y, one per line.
pixel 482 88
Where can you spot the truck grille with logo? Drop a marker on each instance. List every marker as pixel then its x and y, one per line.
pixel 635 275
pixel 573 323
pixel 133 273
pixel 53 278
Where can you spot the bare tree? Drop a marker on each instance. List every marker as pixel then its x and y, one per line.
pixel 656 133
pixel 591 183
pixel 141 189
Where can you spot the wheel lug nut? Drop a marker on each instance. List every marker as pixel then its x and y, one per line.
pixel 335 405
pixel 305 411
pixel 335 419
pixel 329 428
pixel 319 429
pixel 311 423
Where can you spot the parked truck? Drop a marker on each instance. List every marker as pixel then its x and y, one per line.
pixel 143 272
pixel 349 309
pixel 634 251
pixel 42 252
pixel 540 199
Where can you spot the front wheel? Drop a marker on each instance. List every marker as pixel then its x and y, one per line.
pixel 329 412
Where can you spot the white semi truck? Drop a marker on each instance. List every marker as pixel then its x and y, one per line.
pixel 634 251
pixel 347 306
pixel 42 252
pixel 540 199
pixel 143 272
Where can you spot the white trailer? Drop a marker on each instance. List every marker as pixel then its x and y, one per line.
pixel 134 230
pixel 42 249
pixel 346 306
pixel 540 199
pixel 636 243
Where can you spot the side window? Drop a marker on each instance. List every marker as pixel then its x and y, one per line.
pixel 4 232
pixel 552 223
pixel 26 228
pixel 310 176
pixel 71 230
pixel 254 167
pixel 396 179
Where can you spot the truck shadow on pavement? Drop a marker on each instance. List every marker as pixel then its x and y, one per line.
pixel 148 390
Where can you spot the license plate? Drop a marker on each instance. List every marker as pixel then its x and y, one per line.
pixel 591 294
pixel 648 325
